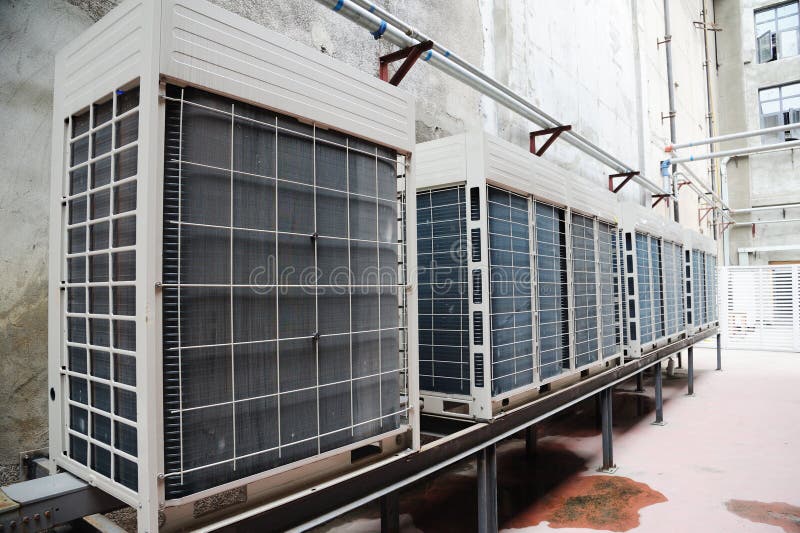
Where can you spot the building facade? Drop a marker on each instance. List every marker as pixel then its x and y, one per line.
pixel 759 87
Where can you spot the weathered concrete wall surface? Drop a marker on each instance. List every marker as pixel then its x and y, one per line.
pixel 763 179
pixel 30 34
pixel 592 64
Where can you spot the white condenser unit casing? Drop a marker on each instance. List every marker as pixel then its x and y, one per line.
pixel 232 292
pixel 518 284
pixel 700 260
pixel 654 313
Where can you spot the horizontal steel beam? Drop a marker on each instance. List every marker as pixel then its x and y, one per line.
pixel 333 499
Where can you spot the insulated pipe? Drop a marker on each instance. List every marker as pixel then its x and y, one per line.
pixel 732 136
pixel 693 184
pixel 736 151
pixel 393 32
pixel 710 106
pixel 755 222
pixel 671 95
pixel 764 208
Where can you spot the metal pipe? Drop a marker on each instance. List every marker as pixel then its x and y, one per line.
pixel 710 106
pixel 690 370
pixel 719 351
pixel 755 222
pixel 764 208
pixel 693 180
pixel 737 151
pixel 607 435
pixel 383 25
pixel 732 136
pixel 671 96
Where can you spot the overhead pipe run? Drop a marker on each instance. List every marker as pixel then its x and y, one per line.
pixel 764 208
pixel 732 136
pixel 735 152
pixel 756 222
pixel 383 25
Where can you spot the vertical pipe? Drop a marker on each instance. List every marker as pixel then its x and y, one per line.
pixel 671 93
pixel 659 397
pixel 690 369
pixel 710 109
pixel 640 381
pixel 487 489
pixel 719 351
pixel 607 435
pixel 390 513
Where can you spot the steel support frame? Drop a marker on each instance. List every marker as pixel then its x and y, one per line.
pixel 531 438
pixel 657 382
pixel 553 132
pixel 487 489
pixel 390 512
pixel 627 176
pixel 411 54
pixel 329 500
pixel 719 351
pixel 607 422
pixel 690 370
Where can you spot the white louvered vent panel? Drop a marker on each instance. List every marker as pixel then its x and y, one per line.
pixel 760 307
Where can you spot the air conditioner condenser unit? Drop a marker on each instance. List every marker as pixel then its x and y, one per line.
pixel 518 276
pixel 233 249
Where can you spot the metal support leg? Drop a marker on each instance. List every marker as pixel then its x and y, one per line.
pixel 719 351
pixel 530 442
pixel 680 359
pixel 390 513
pixel 487 489
pixel 690 369
pixel 606 403
pixel 598 412
pixel 659 399
pixel 640 381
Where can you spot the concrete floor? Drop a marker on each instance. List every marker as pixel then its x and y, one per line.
pixel 728 459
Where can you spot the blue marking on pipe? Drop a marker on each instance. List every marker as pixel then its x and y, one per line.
pixel 338 5
pixel 380 31
pixel 691 158
pixel 427 56
pixel 447 53
pixel 372 8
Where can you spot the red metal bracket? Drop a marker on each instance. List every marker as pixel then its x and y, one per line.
pixel 552 132
pixel 410 54
pixel 628 177
pixel 661 197
pixel 682 183
pixel 707 211
pixel 726 225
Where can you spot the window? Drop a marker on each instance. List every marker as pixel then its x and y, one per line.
pixel 778 32
pixel 780 105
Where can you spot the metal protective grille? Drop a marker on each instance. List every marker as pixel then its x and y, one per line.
pixel 644 282
pixel 100 268
pixel 760 307
pixel 698 288
pixel 584 283
pixel 510 285
pixel 711 288
pixel 281 291
pixel 609 288
pixel 443 291
pixel 552 296
pixel 656 276
pixel 673 288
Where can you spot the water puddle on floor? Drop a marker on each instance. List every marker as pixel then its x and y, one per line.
pixel 593 502
pixel 777 514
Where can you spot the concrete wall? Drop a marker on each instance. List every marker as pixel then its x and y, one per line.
pixel 592 64
pixel 764 179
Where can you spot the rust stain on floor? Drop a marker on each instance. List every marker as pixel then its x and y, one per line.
pixel 777 514
pixel 594 502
